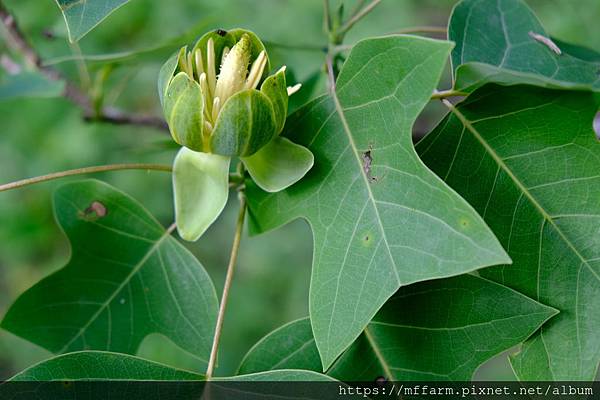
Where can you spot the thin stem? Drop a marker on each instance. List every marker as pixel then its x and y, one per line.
pixel 359 5
pixel 443 94
pixel 228 279
pixel 421 29
pixel 330 72
pixel 82 70
pixel 358 16
pixel 16 40
pixel 327 16
pixel 341 48
pixel 81 171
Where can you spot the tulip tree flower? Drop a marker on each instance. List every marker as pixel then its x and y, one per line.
pixel 219 103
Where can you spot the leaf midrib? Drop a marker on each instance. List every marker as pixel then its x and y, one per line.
pixel 547 217
pixel 340 111
pixel 123 284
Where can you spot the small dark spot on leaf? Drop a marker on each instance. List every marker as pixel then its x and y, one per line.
pixel 66 384
pixel 98 208
pixel 367 161
pixel 221 32
pixel 48 34
pixel 464 222
pixel 95 211
pixel 367 239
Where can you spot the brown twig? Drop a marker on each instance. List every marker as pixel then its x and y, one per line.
pixel 81 171
pixel 17 41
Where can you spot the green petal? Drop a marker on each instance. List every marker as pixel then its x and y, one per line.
pixel 183 106
pixel 245 124
pixel 201 187
pixel 279 164
pixel 166 73
pixel 275 88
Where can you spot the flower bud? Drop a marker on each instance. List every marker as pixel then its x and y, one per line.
pixel 214 107
pixel 210 95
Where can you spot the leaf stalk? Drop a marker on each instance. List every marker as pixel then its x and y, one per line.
pixel 228 280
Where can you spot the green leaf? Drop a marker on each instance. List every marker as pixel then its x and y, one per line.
pixel 29 84
pixel 279 164
pixel 580 52
pixel 183 107
pixel 379 217
pixel 80 374
pixel 150 54
pixel 528 161
pixel 81 16
pixel 439 330
pixel 201 188
pixel 102 365
pixel 495 43
pixel 283 375
pixel 245 124
pixel 126 278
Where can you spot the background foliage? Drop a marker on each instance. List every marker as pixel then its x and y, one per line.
pixel 40 136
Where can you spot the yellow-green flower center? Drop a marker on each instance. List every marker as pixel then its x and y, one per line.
pixel 233 75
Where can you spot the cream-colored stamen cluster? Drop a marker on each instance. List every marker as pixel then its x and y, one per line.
pixel 233 76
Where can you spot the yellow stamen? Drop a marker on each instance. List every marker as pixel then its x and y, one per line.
pixel 205 96
pixel 198 60
pixel 190 68
pixel 293 89
pixel 211 76
pixel 224 56
pixel 216 109
pixel 256 71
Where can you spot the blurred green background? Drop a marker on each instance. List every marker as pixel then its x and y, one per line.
pixel 38 136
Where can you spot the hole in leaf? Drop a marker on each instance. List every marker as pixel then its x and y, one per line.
pixel 597 125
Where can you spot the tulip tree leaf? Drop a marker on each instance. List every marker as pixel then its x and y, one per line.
pixel 438 330
pixel 279 164
pixel 201 189
pixel 76 375
pixel 81 16
pixel 379 217
pixel 528 161
pixel 497 41
pixel 127 278
pixel 102 365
